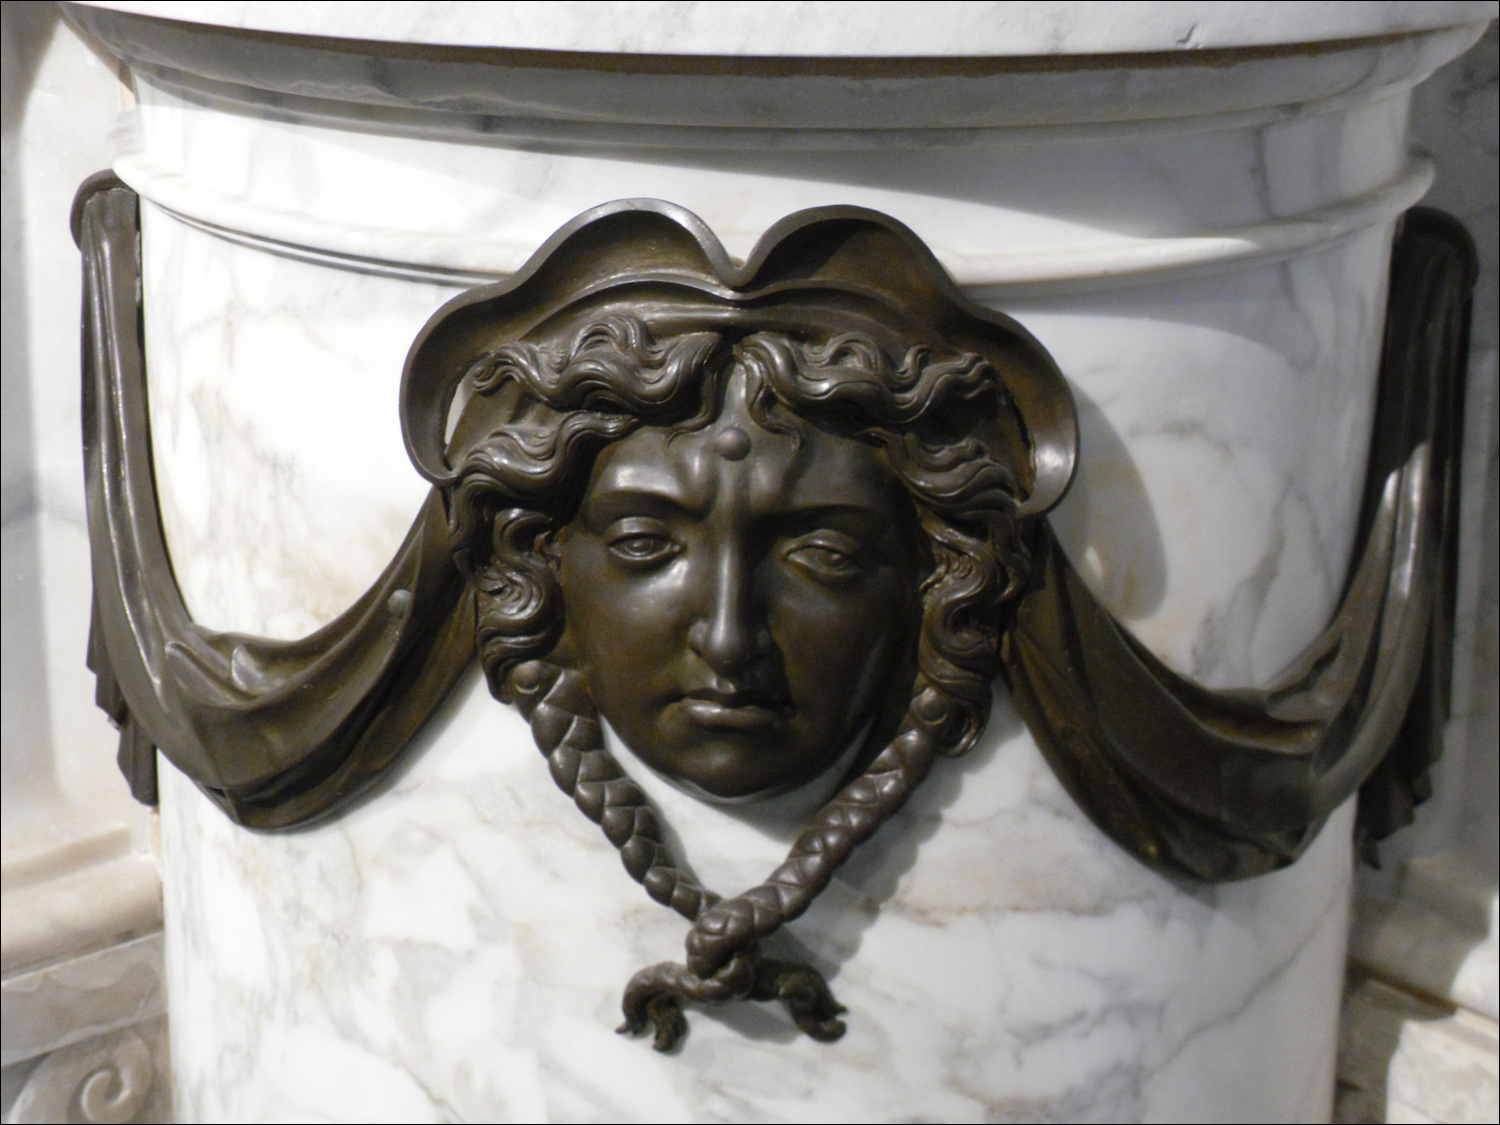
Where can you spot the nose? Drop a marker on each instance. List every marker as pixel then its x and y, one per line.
pixel 731 634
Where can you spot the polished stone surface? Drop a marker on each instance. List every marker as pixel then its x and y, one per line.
pixel 999 956
pixel 903 29
pixel 1002 208
pixel 456 947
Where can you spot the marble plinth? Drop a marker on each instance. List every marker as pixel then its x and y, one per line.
pixel 1209 273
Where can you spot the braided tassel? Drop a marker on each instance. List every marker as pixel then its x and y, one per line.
pixel 723 957
pixel 557 703
pixel 727 928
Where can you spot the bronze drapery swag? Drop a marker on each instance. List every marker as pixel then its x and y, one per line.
pixel 1211 785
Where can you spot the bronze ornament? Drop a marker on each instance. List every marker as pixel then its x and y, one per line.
pixel 763 519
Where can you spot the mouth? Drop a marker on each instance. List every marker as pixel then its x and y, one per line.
pixel 734 710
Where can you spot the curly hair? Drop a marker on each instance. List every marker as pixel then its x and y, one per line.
pixel 937 418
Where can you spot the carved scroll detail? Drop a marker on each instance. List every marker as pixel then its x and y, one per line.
pixel 107 1080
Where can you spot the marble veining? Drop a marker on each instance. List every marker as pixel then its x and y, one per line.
pixel 1231 419
pixel 1209 276
pixel 1002 960
pixel 274 427
pixel 378 955
pixel 903 29
pixel 995 211
pixel 457 950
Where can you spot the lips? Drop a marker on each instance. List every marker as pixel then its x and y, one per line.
pixel 743 710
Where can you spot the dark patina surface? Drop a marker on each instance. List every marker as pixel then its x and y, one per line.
pixel 753 516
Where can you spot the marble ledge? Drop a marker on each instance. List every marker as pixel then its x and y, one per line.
pixel 1052 27
pixel 80 999
pixel 1438 935
pixel 70 888
pixel 1403 1058
pixel 990 274
pixel 57 846
pixel 83 966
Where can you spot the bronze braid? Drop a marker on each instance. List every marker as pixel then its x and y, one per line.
pixel 723 955
pixel 557 704
pixel 723 959
pixel 732 926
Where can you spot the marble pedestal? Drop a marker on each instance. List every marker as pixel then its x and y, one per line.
pixel 1200 243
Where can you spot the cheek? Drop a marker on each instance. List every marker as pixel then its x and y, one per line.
pixel 614 618
pixel 587 614
pixel 839 648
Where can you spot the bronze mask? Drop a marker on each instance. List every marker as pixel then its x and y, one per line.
pixel 746 516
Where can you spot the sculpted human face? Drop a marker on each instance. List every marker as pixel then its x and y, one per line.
pixel 738 599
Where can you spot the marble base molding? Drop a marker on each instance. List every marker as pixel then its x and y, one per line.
pixel 119 1077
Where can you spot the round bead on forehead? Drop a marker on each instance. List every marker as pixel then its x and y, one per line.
pixel 732 443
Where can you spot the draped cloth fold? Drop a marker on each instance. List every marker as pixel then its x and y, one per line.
pixel 277 733
pixel 1223 785
pixel 1213 785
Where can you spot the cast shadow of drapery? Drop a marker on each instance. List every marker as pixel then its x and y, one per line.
pixel 1106 523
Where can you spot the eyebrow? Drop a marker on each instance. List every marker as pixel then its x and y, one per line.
pixel 617 503
pixel 613 503
pixel 830 513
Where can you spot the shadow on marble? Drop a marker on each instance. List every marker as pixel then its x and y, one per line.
pixel 873 875
pixel 428 736
pixel 1129 573
pixel 1404 1057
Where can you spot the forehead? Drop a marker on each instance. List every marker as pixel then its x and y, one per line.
pixel 805 468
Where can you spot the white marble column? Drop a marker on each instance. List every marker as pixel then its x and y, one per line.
pixel 1200 241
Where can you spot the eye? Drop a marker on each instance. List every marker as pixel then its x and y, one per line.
pixel 827 558
pixel 641 543
pixel 642 548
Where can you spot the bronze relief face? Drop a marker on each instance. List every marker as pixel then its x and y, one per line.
pixel 752 517
pixel 741 598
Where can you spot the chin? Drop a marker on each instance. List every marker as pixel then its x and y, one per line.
pixel 735 774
